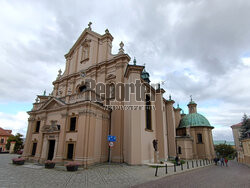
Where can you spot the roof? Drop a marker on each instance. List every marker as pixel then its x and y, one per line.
pixel 194 120
pixel 217 142
pixel 237 125
pixel 191 102
pixel 4 132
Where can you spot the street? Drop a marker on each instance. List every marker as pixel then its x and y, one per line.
pixel 235 175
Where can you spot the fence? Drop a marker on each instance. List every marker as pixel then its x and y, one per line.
pixel 188 165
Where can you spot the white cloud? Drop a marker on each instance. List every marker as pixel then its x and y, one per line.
pixel 222 133
pixel 17 122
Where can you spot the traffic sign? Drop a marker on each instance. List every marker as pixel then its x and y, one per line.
pixel 111 144
pixel 111 138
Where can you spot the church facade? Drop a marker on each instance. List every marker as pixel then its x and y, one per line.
pixel 101 94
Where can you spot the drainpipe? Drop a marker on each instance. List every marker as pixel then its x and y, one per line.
pixel 110 112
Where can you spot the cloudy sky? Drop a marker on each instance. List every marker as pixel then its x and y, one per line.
pixel 200 47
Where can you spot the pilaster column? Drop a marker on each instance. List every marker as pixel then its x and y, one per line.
pixel 61 139
pixel 80 143
pixel 161 129
pixel 171 130
pixel 40 139
pixel 27 145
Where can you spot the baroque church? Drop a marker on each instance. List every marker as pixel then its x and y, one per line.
pixel 74 121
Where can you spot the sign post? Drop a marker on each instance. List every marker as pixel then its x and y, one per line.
pixel 111 140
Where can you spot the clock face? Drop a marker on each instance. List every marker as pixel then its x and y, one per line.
pixel 83 74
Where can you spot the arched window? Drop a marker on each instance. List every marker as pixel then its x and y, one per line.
pixel 82 88
pixel 199 138
pixel 148 113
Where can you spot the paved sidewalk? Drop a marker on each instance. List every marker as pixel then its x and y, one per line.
pixel 235 175
pixel 102 175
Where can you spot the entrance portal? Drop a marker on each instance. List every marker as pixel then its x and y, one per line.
pixel 34 149
pixel 70 151
pixel 51 149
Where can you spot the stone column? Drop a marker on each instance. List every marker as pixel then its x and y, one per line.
pixel 161 128
pixel 27 145
pixel 40 140
pixel 80 143
pixel 61 139
pixel 44 150
pixel 171 130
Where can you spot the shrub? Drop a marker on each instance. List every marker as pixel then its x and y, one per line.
pixel 49 164
pixel 18 161
pixel 72 166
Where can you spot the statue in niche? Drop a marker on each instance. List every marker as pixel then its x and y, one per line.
pixel 85 51
pixel 155 144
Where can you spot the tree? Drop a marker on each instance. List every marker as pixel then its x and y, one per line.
pixel 19 142
pixel 225 150
pixel 245 127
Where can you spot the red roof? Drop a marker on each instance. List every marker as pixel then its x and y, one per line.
pixel 237 125
pixel 4 132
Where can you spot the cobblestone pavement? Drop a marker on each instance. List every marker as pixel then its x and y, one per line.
pixel 102 175
pixel 235 175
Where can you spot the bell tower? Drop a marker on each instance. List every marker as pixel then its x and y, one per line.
pixel 192 106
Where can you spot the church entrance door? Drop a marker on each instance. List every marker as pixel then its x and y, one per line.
pixel 70 151
pixel 51 149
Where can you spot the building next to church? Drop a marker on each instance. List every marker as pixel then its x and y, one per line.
pixel 70 124
pixel 236 135
pixel 4 135
pixel 242 146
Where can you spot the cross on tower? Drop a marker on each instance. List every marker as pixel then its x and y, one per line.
pixel 90 23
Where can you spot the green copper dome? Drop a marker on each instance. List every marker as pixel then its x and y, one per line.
pixel 194 120
pixel 145 76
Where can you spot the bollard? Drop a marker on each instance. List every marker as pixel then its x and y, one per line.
pixel 206 162
pixel 200 163
pixel 156 170
pixel 187 165
pixel 174 168
pixel 192 164
pixel 181 166
pixel 196 163
pixel 203 162
pixel 166 168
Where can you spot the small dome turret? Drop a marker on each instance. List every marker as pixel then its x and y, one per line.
pixel 145 76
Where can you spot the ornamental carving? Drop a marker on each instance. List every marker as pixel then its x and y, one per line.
pixel 50 128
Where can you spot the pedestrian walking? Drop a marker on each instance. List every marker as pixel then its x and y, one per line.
pixel 226 161
pixel 216 160
pixel 222 161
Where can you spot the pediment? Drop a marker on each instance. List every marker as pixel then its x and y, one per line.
pixel 82 40
pixel 52 104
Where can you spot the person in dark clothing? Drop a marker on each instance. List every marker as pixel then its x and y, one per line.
pixel 222 161
pixel 215 160
pixel 177 160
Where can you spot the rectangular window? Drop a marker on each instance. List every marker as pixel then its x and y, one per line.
pixel 2 141
pixel 179 150
pixel 38 126
pixel 72 124
pixel 199 138
pixel 34 149
pixel 148 113
pixel 70 151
